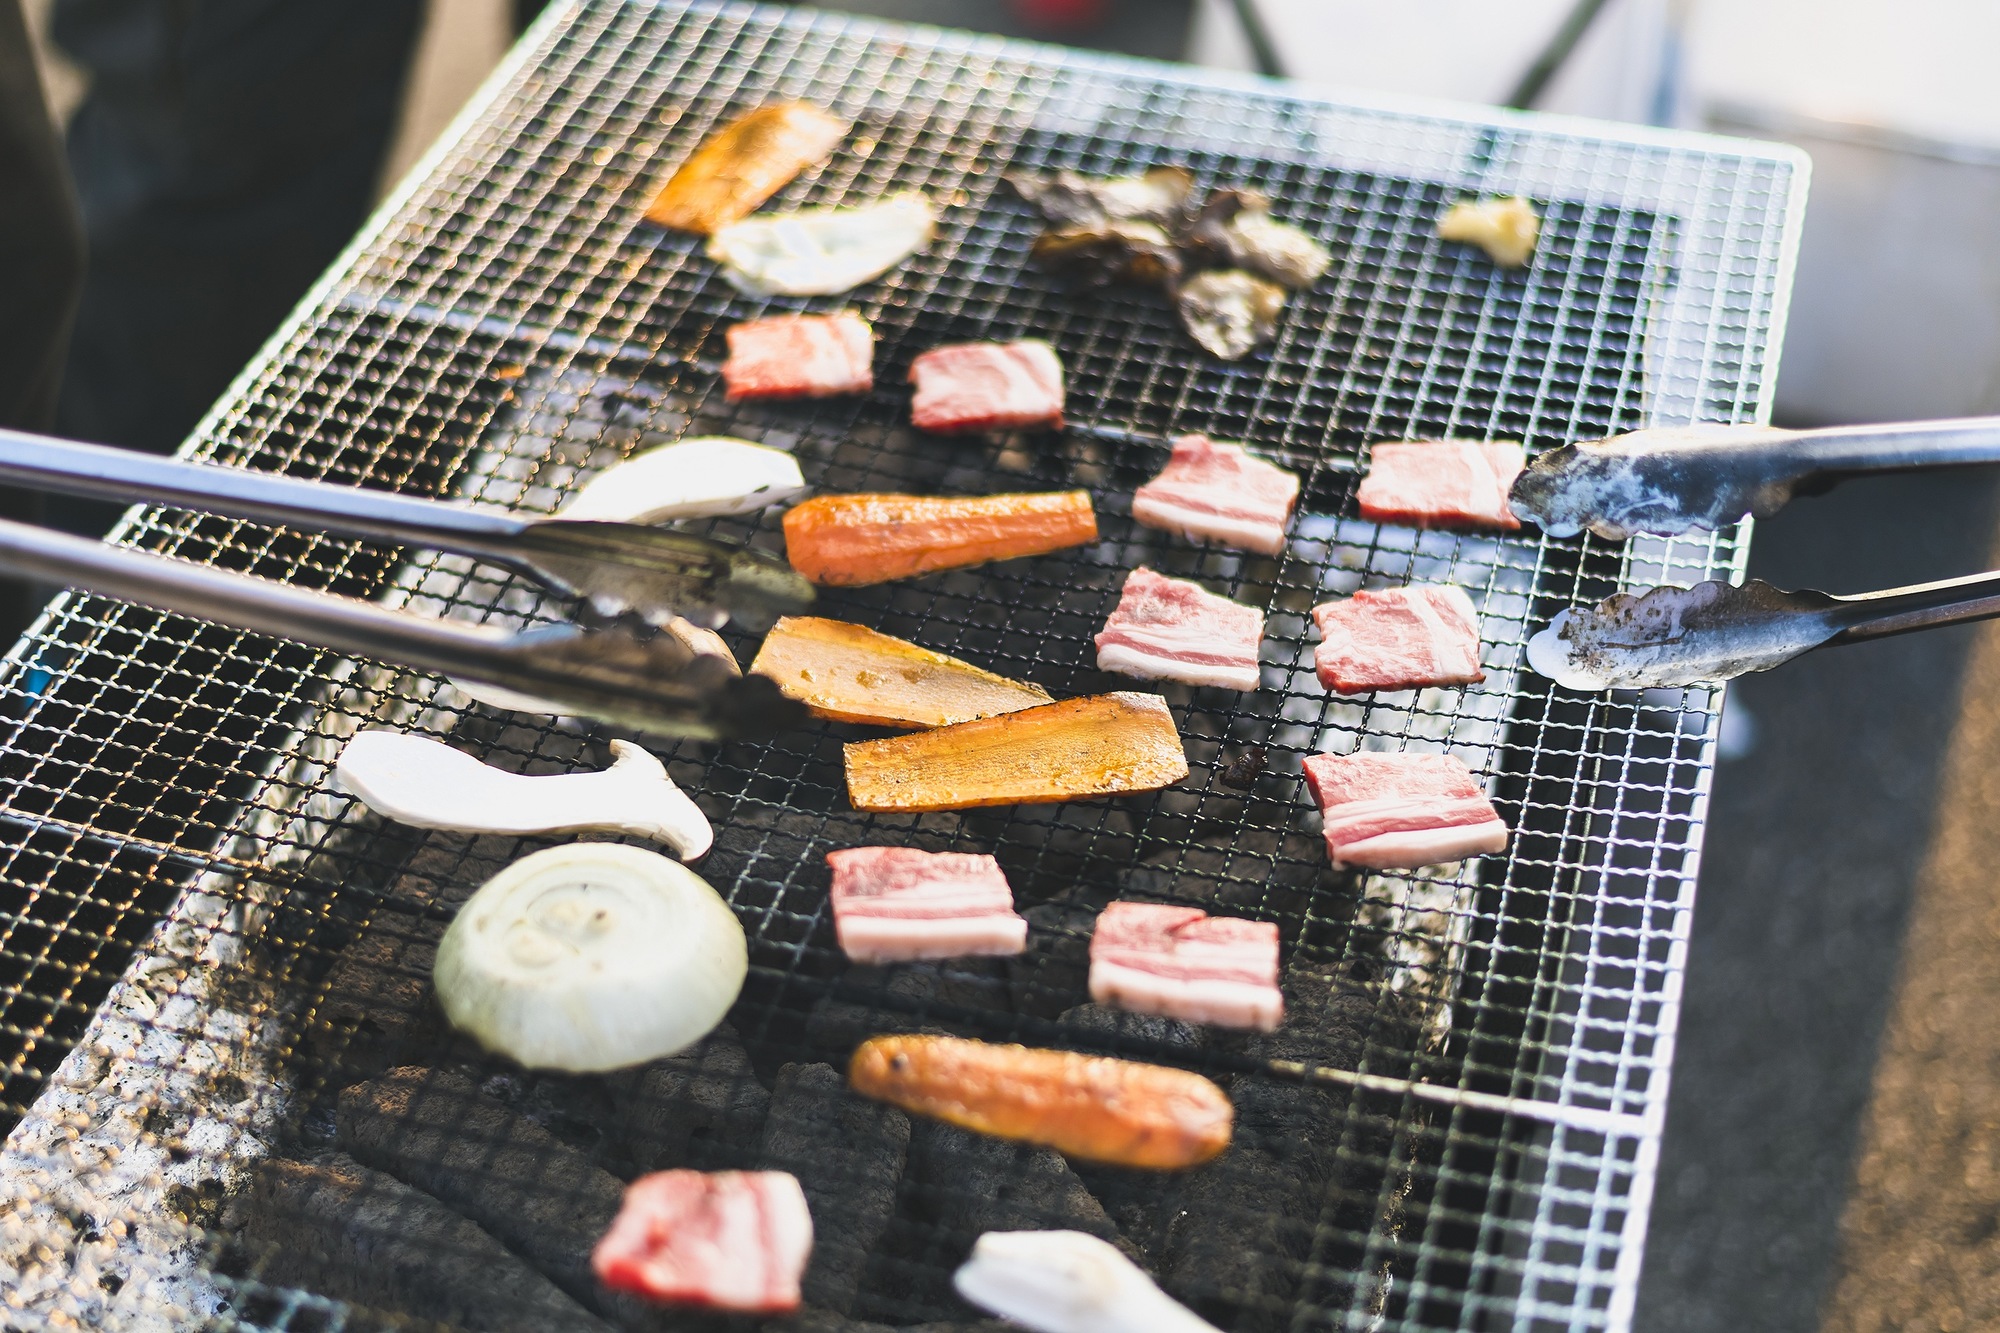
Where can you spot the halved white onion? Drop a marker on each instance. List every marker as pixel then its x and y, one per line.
pixel 591 957
pixel 705 477
pixel 420 781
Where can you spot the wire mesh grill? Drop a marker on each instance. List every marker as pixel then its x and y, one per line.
pixel 230 1093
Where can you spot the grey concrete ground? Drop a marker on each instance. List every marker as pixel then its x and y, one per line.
pixel 1814 843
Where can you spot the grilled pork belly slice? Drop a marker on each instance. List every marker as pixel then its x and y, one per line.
pixel 799 356
pixel 726 1240
pixel 1171 629
pixel 1401 811
pixel 1181 962
pixel 899 905
pixel 1090 1107
pixel 1221 493
pixel 1442 483
pixel 852 540
pixel 987 386
pixel 743 164
pixel 1096 746
pixel 1398 639
pixel 852 674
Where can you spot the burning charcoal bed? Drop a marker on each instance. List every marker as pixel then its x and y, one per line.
pixel 229 1088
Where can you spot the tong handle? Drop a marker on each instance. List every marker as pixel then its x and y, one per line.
pixel 340 623
pixel 1893 447
pixel 41 463
pixel 1877 615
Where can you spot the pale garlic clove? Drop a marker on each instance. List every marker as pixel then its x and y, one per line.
pixel 1068 1282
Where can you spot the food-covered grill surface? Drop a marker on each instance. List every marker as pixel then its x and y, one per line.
pixel 227 1081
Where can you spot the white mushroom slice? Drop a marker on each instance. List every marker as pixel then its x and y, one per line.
pixel 419 781
pixel 1506 229
pixel 823 251
pixel 591 957
pixel 705 477
pixel 1068 1282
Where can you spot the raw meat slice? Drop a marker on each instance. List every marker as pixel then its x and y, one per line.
pixel 1442 483
pixel 1220 492
pixel 1398 639
pixel 899 904
pixel 1401 811
pixel 730 1240
pixel 799 356
pixel 1170 629
pixel 987 386
pixel 1183 963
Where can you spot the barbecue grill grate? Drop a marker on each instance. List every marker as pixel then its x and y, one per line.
pixel 202 944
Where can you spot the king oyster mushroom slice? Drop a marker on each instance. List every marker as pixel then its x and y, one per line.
pixel 420 781
pixel 1506 229
pixel 705 477
pixel 1068 1282
pixel 823 251
pixel 591 957
pixel 1229 311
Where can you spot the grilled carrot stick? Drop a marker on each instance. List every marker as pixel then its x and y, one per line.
pixel 852 674
pixel 1092 1107
pixel 743 164
pixel 1098 746
pixel 849 540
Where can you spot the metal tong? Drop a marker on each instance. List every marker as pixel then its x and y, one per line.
pixel 1675 479
pixel 654 683
pixel 1671 480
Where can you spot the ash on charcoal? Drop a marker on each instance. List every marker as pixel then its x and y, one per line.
pixel 848 1154
pixel 541 1198
pixel 1054 975
pixel 1241 1227
pixel 912 993
pixel 703 1108
pixel 354 1234
pixel 1139 1203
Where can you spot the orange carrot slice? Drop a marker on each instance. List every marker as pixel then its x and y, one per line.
pixel 1087 1106
pixel 743 164
pixel 852 674
pixel 849 540
pixel 1099 746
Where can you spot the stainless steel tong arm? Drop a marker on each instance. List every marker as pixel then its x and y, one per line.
pixel 1715 631
pixel 656 573
pixel 1674 479
pixel 653 684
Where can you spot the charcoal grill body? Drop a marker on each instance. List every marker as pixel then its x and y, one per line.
pixel 205 946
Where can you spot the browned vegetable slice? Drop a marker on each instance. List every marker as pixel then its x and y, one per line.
pixel 743 164
pixel 1088 1106
pixel 852 674
pixel 1098 746
pixel 850 540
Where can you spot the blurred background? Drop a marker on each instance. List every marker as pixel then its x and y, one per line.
pixel 1837 775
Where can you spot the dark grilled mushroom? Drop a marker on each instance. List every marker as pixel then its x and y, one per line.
pixel 1139 253
pixel 1067 199
pixel 1229 311
pixel 1235 229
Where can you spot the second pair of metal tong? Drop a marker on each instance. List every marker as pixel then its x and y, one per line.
pixel 1670 480
pixel 656 683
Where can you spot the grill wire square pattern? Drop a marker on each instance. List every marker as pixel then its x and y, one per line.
pixel 230 1095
